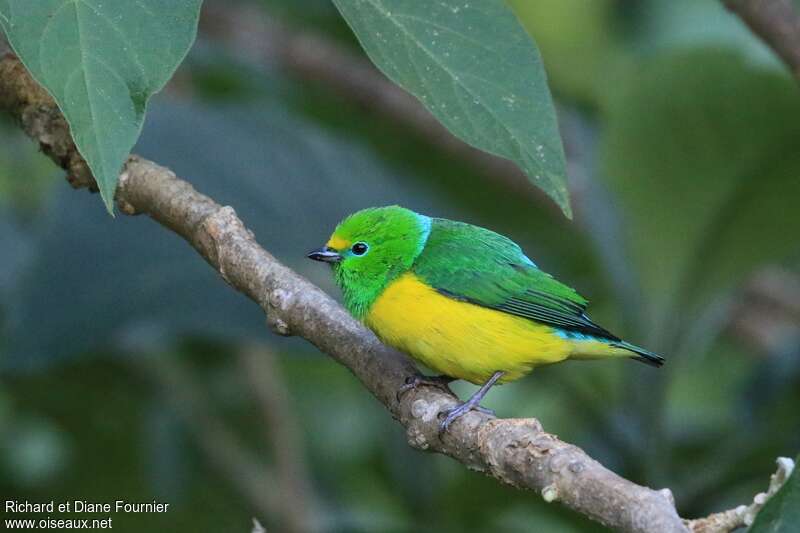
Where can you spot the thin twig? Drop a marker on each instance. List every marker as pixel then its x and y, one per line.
pixel 282 432
pixel 743 515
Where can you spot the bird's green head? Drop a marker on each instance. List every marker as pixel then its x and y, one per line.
pixel 371 248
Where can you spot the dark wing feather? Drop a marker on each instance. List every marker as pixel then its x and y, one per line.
pixel 573 320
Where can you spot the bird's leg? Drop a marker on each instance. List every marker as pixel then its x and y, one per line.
pixel 440 382
pixel 412 382
pixel 473 403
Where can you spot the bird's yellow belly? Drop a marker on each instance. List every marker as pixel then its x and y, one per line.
pixel 461 339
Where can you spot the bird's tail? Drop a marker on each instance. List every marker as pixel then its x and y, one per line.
pixel 645 356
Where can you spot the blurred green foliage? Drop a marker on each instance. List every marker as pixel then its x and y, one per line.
pixel 25 175
pixel 578 39
pixel 680 137
pixel 686 135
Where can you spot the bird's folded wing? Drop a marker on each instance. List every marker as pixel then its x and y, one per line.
pixel 479 266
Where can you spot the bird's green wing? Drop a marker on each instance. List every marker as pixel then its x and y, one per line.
pixel 479 266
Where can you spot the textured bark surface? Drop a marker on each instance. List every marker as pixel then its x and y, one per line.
pixel 515 451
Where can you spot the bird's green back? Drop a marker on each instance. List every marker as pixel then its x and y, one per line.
pixel 480 266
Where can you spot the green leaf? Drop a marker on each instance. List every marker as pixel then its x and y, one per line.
pixel 101 60
pixel 781 513
pixel 707 179
pixel 474 67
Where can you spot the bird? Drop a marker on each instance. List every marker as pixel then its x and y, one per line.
pixel 464 301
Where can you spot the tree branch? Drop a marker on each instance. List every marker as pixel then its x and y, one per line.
pixel 514 451
pixel 744 515
pixel 777 23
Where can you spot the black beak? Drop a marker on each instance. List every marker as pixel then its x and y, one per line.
pixel 325 254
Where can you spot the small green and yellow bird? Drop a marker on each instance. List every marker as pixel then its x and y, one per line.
pixel 463 300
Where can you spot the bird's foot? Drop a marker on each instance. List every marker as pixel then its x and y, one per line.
pixel 412 382
pixel 473 403
pixel 451 415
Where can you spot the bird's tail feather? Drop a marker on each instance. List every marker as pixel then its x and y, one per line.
pixel 645 356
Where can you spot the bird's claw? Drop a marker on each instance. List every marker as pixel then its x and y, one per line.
pixel 451 415
pixel 412 382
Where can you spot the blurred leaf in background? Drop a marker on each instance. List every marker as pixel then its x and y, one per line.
pixel 697 133
pixel 577 39
pixel 663 27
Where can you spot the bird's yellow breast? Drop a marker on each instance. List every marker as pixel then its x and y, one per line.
pixel 460 339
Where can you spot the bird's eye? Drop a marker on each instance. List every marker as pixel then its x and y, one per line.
pixel 359 248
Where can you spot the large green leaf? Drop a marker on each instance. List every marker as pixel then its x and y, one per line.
pixel 703 150
pixel 476 69
pixel 101 60
pixel 781 513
